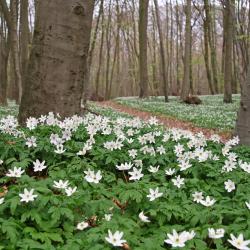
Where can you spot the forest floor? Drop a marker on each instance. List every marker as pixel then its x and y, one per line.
pixel 168 122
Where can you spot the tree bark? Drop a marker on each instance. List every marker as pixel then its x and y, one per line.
pixel 24 36
pixel 162 52
pixel 228 51
pixel 143 23
pixel 11 20
pixel 188 38
pixel 58 58
pixel 4 56
pixel 243 119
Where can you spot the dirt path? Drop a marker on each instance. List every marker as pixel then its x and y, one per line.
pixel 167 121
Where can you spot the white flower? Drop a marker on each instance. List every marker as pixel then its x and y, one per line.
pixel 130 140
pixel 178 149
pixel 136 174
pixel 16 172
pixel 39 166
pixel 124 166
pixel 69 190
pixel 245 166
pixel 239 242
pixel 138 163
pixel 216 233
pixel 248 204
pixel 1 162
pixel 59 149
pixel 153 120
pixel 108 217
pixel 143 217
pixel 132 153
pixel 115 239
pixel 208 202
pixel 1 200
pixel 169 171
pixel 229 185
pixel 154 194
pixel 31 123
pixel 161 150
pixel 178 181
pixel 91 176
pixel 27 196
pixel 229 166
pixel 82 225
pixel 184 165
pixel 61 184
pixel 179 240
pixel 198 196
pixel 215 138
pixel 153 169
pixel 31 142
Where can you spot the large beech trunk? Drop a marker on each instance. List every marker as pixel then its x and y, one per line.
pixel 58 57
pixel 243 119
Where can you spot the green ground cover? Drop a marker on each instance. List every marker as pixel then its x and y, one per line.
pixel 213 113
pixel 77 183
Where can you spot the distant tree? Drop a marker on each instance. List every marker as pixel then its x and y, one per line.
pixel 4 57
pixel 228 58
pixel 163 60
pixel 58 58
pixel 11 17
pixel 143 23
pixel 187 59
pixel 24 36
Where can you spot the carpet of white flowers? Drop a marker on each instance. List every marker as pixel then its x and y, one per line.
pixel 96 182
pixel 212 113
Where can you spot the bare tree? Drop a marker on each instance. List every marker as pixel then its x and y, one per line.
pixel 163 61
pixel 11 20
pixel 228 31
pixel 187 60
pixel 143 23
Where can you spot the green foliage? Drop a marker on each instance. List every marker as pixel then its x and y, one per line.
pixel 212 113
pixel 50 221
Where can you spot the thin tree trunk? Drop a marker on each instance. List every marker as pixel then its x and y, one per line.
pixel 24 36
pixel 162 52
pixel 228 51
pixel 86 87
pixel 97 81
pixel 11 20
pixel 188 36
pixel 143 23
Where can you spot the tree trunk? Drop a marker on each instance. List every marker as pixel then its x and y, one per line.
pixel 188 38
pixel 58 58
pixel 24 37
pixel 87 85
pixel 228 51
pixel 206 51
pixel 11 20
pixel 143 23
pixel 243 119
pixel 97 80
pixel 162 52
pixel 4 55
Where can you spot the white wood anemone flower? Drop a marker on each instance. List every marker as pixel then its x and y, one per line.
pixel 27 195
pixel 143 217
pixel 115 239
pixel 239 242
